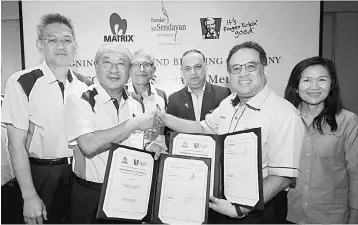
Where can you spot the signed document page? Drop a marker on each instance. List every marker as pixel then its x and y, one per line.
pixel 183 191
pixel 199 146
pixel 241 184
pixel 129 184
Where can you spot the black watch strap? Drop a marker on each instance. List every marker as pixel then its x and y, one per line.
pixel 146 145
pixel 238 211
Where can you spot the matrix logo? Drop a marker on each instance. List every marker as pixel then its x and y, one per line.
pixel 119 28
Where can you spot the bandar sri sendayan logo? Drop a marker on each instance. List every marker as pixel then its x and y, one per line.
pixel 119 29
pixel 164 27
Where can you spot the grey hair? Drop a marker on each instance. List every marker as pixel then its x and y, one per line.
pixel 209 19
pixel 116 47
pixel 144 53
pixel 52 18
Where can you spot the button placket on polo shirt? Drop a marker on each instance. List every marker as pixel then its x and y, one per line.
pixel 116 105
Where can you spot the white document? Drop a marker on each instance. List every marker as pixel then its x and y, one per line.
pixel 241 170
pixel 129 184
pixel 135 140
pixel 183 191
pixel 198 146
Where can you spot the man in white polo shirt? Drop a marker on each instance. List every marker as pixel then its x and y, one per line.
pixel 33 113
pixel 253 104
pixel 94 119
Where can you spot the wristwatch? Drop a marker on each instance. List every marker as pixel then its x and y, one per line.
pixel 146 145
pixel 239 212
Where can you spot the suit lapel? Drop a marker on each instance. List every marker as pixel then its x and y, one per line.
pixel 187 104
pixel 208 100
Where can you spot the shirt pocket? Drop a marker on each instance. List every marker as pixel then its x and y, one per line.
pixel 224 123
pixel 329 146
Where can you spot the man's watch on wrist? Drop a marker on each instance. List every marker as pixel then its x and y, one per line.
pixel 146 145
pixel 239 212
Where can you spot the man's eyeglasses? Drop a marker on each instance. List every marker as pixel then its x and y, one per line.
pixel 55 41
pixel 249 66
pixel 146 66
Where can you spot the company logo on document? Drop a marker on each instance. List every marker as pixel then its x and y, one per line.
pixel 124 160
pixel 210 27
pixel 198 145
pixel 119 30
pixel 185 145
pixel 138 162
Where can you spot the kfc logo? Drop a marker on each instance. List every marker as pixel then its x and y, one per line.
pixel 210 27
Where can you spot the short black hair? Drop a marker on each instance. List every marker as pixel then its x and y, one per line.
pixel 249 45
pixel 52 18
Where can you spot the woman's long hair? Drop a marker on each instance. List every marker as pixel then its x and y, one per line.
pixel 332 104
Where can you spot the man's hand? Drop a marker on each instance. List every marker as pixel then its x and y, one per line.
pixel 34 210
pixel 153 147
pixel 223 206
pixel 147 121
pixel 160 116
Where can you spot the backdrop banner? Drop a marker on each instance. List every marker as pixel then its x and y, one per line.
pixel 288 31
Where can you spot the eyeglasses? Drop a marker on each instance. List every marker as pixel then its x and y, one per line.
pixel 55 41
pixel 249 66
pixel 197 68
pixel 146 66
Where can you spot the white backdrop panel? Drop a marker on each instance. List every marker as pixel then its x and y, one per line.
pixel 288 31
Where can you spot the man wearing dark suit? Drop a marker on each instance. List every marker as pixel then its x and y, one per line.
pixel 198 97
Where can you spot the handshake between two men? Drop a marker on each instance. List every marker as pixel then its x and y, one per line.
pixel 154 121
pixel 152 124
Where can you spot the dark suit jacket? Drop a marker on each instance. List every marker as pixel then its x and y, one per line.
pixel 180 103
